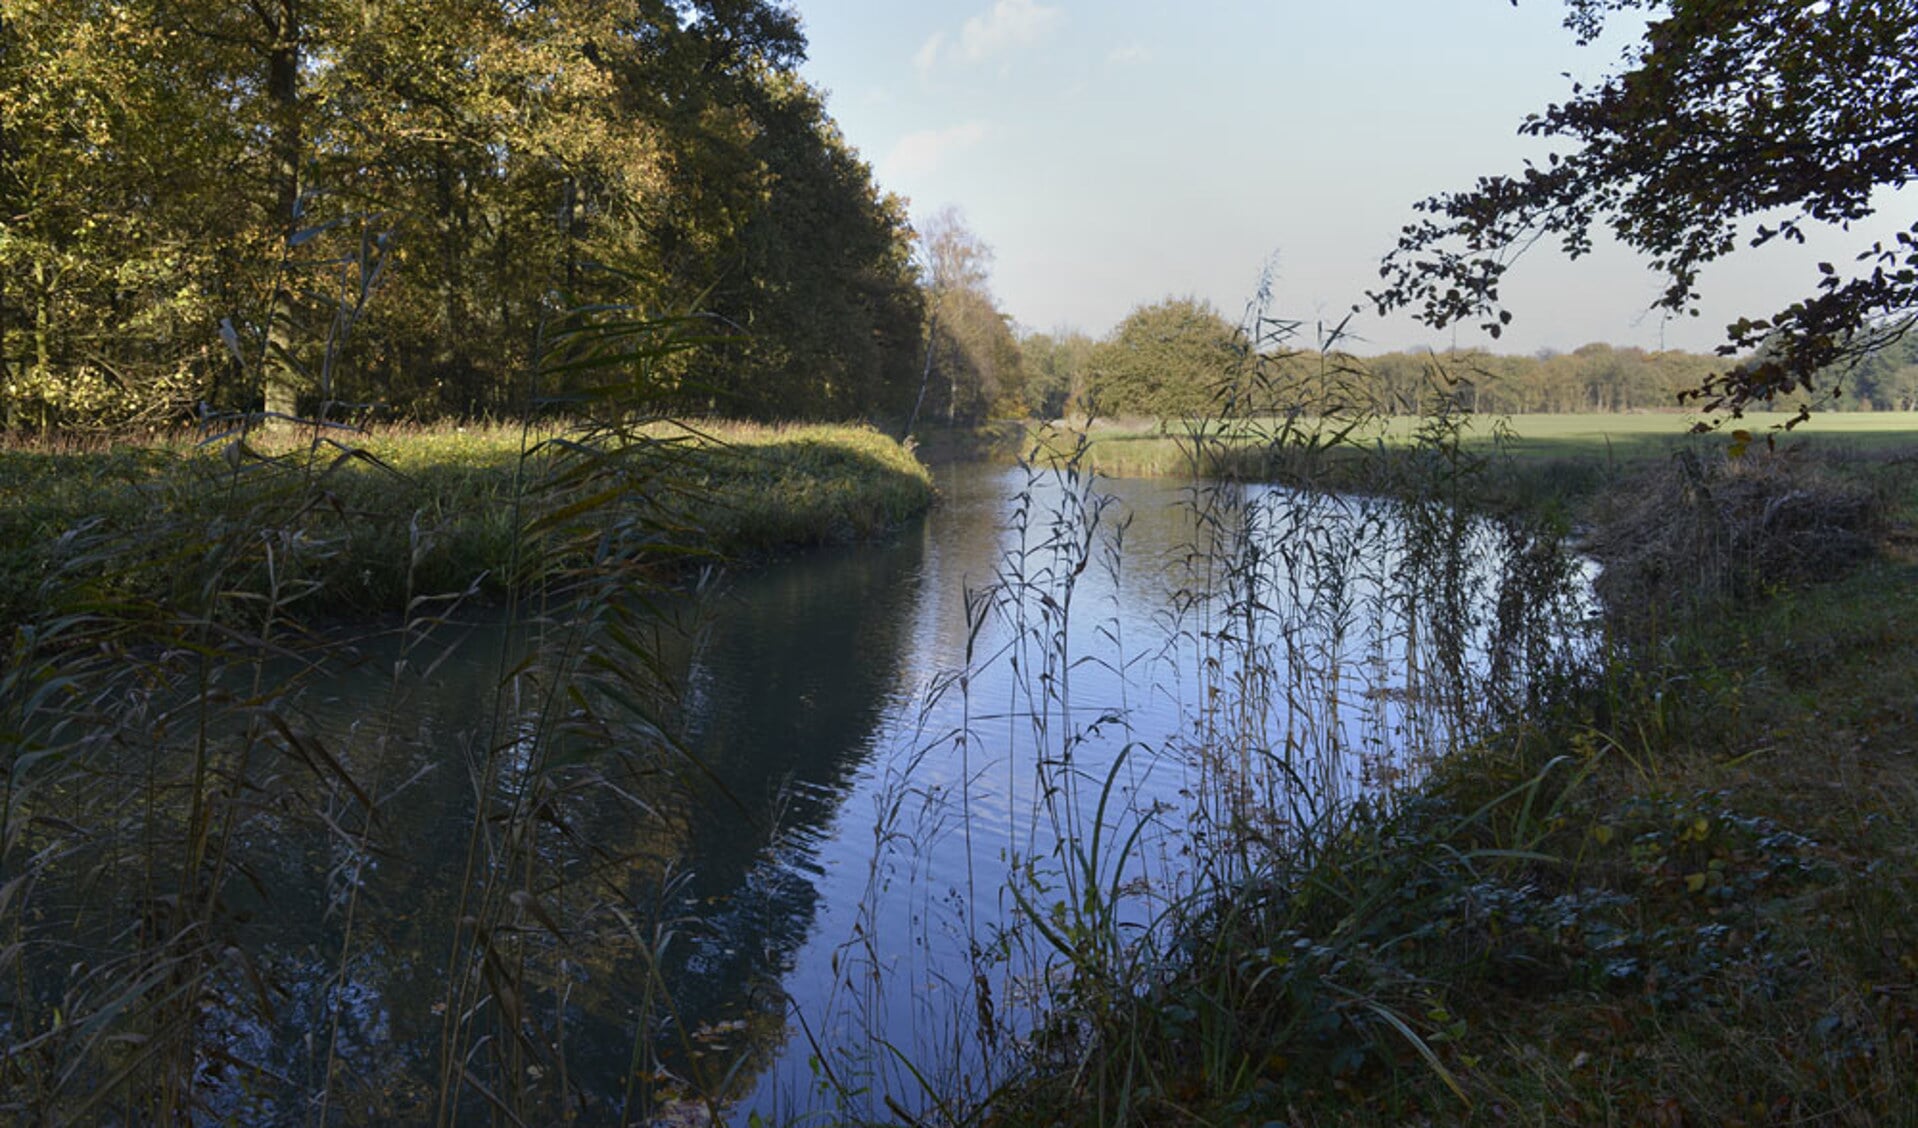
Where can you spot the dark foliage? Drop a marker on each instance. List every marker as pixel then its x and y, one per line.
pixel 1733 123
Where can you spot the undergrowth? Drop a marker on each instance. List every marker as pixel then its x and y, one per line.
pixel 434 508
pixel 1663 880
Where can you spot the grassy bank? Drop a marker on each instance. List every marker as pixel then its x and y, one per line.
pixel 1538 459
pixel 1673 889
pixel 369 520
pixel 203 866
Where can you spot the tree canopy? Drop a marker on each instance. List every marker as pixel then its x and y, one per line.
pixel 1733 123
pixel 169 164
pixel 1166 360
pixel 973 366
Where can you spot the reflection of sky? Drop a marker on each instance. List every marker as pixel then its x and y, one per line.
pixel 880 730
pixel 910 873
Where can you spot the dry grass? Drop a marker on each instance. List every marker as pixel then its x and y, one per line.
pixel 1704 531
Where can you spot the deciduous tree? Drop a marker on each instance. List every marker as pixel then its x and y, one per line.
pixel 973 365
pixel 1733 123
pixel 1166 361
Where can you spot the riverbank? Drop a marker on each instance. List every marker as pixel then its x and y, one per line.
pixel 1675 890
pixel 1531 461
pixel 364 522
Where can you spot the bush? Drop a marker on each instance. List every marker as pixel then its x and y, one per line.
pixel 1707 531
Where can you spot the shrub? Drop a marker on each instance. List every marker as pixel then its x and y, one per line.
pixel 1706 532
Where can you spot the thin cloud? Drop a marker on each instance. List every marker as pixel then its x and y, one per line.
pixel 928 55
pixel 917 154
pixel 1132 54
pixel 1009 25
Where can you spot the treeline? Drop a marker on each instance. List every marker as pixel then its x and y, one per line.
pixel 283 204
pixel 1172 360
pixel 170 165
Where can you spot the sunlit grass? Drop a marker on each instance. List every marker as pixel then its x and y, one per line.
pixel 437 509
pixel 1145 448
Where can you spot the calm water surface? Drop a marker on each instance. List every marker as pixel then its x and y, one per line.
pixel 880 731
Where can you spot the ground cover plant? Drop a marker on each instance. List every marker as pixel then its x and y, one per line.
pixel 1669 887
pixel 434 507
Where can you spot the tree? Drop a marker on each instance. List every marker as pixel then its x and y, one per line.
pixel 1056 367
pixel 1734 122
pixel 812 261
pixel 103 231
pixel 1167 361
pixel 973 365
pixel 169 164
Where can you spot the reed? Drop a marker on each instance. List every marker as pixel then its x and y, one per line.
pixel 1575 895
pixel 1146 960
pixel 197 857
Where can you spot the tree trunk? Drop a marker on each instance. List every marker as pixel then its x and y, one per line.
pixel 451 357
pixel 925 375
pixel 9 374
pixel 42 367
pixel 282 379
pixel 569 233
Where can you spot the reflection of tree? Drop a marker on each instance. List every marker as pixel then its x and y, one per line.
pixel 645 859
pixel 785 690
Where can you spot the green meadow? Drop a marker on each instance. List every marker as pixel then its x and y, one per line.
pixel 1529 460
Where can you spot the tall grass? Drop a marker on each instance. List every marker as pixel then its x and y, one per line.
pixel 433 507
pixel 1145 957
pixel 206 910
pixel 1304 938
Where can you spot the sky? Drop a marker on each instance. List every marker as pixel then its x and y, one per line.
pixel 1119 152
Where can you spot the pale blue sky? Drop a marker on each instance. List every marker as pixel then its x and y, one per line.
pixel 1114 153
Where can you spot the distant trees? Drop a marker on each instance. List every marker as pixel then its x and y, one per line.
pixel 1165 361
pixel 1592 378
pixel 1174 358
pixel 165 164
pixel 1885 381
pixel 1058 366
pixel 974 369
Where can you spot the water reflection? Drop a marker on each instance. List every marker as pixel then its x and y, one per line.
pixel 784 676
pixel 873 739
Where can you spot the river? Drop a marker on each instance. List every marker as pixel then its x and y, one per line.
pixel 881 758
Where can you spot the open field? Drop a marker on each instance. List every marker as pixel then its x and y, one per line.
pixel 1631 438
pixel 1126 448
pixel 1533 461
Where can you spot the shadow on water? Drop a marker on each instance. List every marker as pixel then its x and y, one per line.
pixel 834 792
pixel 784 674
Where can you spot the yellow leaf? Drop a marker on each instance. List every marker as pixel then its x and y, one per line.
pixel 1603 834
pixel 1695 882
